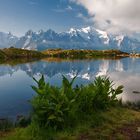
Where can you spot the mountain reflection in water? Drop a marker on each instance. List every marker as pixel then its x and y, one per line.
pixel 15 80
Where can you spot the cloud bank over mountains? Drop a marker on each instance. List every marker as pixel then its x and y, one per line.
pixel 113 15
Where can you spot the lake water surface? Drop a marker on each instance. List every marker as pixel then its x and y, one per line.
pixel 16 80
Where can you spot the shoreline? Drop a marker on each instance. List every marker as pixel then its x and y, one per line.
pixel 11 54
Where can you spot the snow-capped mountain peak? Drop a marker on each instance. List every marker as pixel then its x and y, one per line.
pixel 72 32
pixel 119 39
pixel 104 35
pixel 86 30
pixel 29 33
pixel 7 39
pixel 82 38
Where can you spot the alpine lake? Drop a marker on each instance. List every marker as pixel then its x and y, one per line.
pixel 16 79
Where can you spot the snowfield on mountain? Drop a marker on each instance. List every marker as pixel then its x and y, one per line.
pixel 83 38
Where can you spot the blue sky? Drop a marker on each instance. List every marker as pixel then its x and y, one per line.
pixel 18 16
pixel 115 16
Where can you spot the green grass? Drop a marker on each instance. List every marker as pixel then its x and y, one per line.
pixel 14 53
pixel 2 55
pixel 100 125
pixel 74 54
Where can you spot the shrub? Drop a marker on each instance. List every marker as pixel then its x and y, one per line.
pixel 59 107
pixel 52 105
pixel 98 95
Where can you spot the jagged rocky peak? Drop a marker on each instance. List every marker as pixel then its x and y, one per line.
pixel 29 33
pixel 75 38
pixel 50 31
pixel 40 32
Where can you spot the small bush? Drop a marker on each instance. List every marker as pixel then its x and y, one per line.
pixel 59 107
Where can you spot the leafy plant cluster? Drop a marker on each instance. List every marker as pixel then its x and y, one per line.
pixel 60 107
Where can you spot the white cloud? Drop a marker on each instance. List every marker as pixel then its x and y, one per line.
pixel 60 10
pixel 69 8
pixel 113 15
pixel 85 18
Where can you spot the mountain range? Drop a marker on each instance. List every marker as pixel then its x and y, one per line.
pixel 83 38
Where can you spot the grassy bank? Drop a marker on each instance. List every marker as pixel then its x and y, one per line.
pixel 15 53
pixel 102 125
pixel 88 112
pixel 73 54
